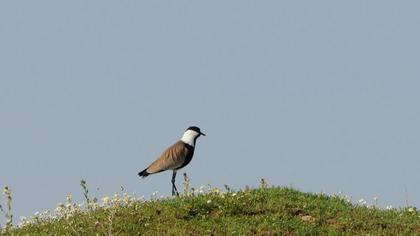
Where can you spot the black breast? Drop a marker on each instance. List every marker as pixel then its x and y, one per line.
pixel 189 156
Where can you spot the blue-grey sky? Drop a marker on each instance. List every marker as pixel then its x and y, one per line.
pixel 318 95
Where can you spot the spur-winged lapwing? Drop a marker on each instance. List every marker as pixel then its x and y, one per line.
pixel 176 156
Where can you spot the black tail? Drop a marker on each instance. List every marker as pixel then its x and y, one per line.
pixel 144 173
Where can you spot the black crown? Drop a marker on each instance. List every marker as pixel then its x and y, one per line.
pixel 194 128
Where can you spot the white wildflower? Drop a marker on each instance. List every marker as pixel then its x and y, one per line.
pixel 22 221
pixel 201 189
pixel 6 191
pixel 106 200
pixel 154 194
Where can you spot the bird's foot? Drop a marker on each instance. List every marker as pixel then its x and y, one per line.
pixel 175 191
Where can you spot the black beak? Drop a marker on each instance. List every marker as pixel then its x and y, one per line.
pixel 203 134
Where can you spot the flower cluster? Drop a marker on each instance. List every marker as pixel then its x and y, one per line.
pixel 68 209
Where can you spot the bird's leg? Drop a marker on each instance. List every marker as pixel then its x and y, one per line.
pixel 174 190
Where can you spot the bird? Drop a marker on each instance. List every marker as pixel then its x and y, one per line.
pixel 176 156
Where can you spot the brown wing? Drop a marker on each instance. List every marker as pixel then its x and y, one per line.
pixel 170 159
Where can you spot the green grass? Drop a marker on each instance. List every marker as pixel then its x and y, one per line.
pixel 263 211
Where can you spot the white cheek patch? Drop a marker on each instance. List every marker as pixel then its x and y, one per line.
pixel 189 137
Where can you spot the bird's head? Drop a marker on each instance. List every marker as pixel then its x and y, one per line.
pixel 191 135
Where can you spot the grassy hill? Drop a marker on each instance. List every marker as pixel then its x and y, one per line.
pixel 262 211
